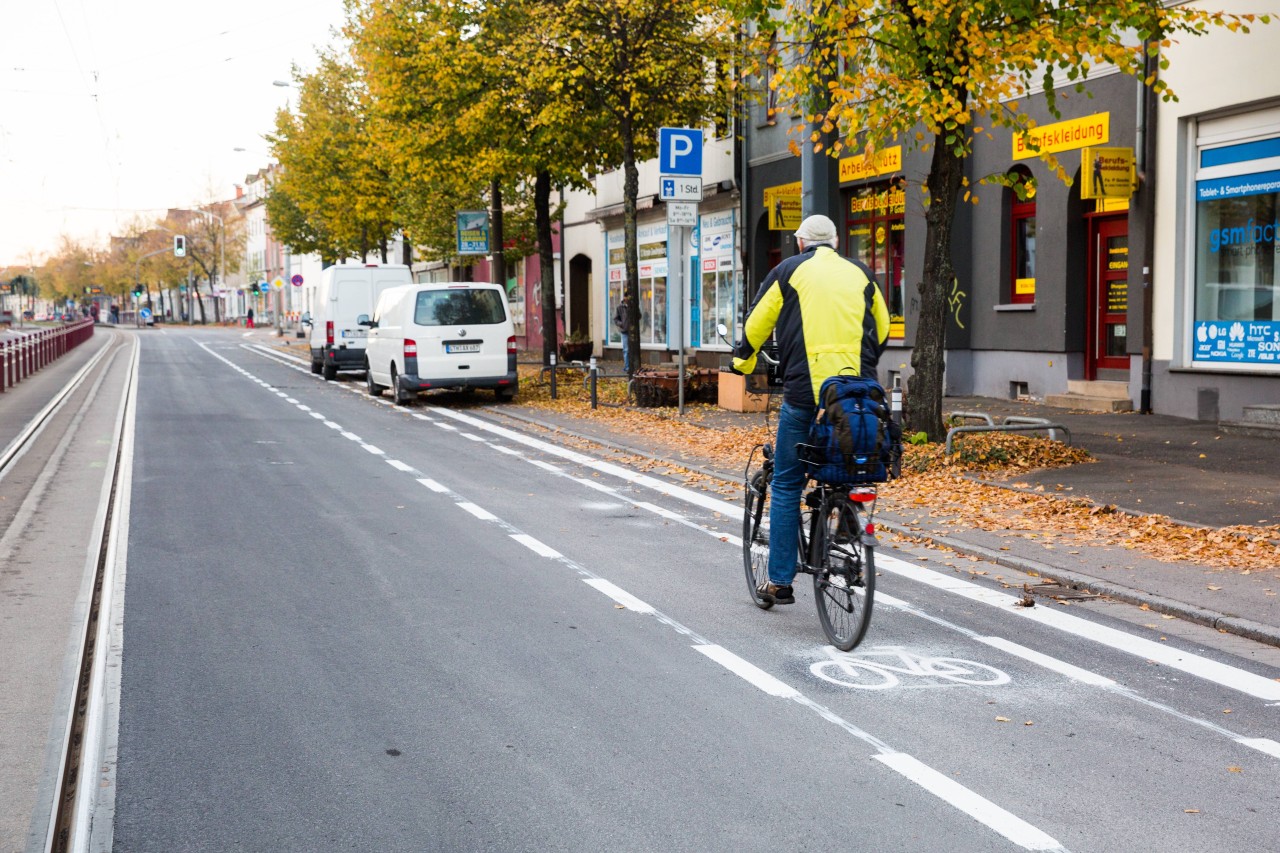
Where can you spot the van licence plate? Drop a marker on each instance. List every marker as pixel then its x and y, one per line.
pixel 354 333
pixel 462 347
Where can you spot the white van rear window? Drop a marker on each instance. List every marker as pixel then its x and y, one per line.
pixel 459 308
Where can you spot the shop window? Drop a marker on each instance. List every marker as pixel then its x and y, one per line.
pixel 770 78
pixel 1237 233
pixel 721 279
pixel 876 236
pixel 1022 236
pixel 652 304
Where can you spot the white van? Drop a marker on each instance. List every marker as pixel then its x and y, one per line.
pixel 443 335
pixel 346 291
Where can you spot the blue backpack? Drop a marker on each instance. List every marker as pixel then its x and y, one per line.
pixel 849 442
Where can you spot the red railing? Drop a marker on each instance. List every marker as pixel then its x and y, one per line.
pixel 26 353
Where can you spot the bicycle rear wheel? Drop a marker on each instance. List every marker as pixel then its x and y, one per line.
pixel 844 577
pixel 755 537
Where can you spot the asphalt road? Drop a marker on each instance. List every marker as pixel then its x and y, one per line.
pixel 350 625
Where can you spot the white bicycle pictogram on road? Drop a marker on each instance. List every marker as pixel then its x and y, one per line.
pixel 879 668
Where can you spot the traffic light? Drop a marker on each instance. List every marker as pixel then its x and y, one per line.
pixel 179 246
pixel 253 288
pixel 137 290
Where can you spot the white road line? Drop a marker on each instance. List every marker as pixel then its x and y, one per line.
pixel 1193 664
pixel 748 671
pixel 535 546
pixel 286 396
pixel 398 465
pixel 290 400
pixel 376 451
pixel 478 511
pixel 472 437
pixel 445 426
pixel 423 417
pixel 502 448
pixel 1051 663
pixel 979 808
pixel 332 425
pixel 546 466
pixel 619 595
pixel 304 408
pixel 432 484
pixel 317 416
pixel 352 436
pixel 1262 744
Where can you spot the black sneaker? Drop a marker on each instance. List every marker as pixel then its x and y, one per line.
pixel 779 594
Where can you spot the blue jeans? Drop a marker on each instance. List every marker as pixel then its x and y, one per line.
pixel 626 353
pixel 788 484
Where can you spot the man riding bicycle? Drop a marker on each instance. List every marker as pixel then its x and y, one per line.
pixel 830 318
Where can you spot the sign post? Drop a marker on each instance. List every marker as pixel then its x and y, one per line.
pixel 680 185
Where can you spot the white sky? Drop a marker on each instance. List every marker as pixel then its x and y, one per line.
pixel 114 107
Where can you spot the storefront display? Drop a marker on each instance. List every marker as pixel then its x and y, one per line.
pixel 721 278
pixel 1237 241
pixel 876 236
pixel 652 251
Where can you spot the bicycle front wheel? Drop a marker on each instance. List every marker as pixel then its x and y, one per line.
pixel 844 578
pixel 755 538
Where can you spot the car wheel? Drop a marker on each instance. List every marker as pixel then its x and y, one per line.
pixel 330 372
pixel 374 389
pixel 316 367
pixel 504 395
pixel 397 394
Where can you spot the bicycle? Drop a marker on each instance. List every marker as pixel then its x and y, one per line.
pixel 836 545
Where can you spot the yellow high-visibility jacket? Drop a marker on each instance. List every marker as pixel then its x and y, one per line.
pixel 829 315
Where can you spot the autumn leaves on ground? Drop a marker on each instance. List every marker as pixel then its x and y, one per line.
pixel 944 489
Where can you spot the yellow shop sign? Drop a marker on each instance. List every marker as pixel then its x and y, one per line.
pixel 1064 136
pixel 884 162
pixel 1107 173
pixel 782 203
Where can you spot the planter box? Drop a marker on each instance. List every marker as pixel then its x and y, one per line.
pixel 575 352
pixel 733 394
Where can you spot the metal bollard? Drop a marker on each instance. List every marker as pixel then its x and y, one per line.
pixel 593 382
pixel 895 399
pixel 553 376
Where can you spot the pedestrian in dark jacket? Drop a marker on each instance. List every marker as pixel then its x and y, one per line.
pixel 622 319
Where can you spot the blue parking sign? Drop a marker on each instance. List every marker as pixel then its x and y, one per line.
pixel 680 151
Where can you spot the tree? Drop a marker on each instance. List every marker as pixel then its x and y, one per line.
pixel 215 234
pixel 339 197
pixel 641 65
pixel 932 73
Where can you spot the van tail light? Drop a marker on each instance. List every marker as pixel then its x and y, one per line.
pixel 410 348
pixel 328 332
pixel 511 345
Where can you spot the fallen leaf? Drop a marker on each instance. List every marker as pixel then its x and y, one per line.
pixel 1234 769
pixel 1167 616
pixel 619 607
pixel 1226 710
pixel 1214 588
pixel 1191 811
pixel 1002 719
pixel 1028 723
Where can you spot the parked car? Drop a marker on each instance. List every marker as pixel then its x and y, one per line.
pixel 346 291
pixel 443 335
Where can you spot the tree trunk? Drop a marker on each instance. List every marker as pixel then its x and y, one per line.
pixel 498 270
pixel 546 263
pixel 406 250
pixel 195 289
pixel 631 287
pixel 922 408
pixel 382 247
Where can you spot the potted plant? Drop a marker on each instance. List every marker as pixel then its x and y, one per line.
pixel 576 346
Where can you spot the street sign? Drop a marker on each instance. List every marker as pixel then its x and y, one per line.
pixel 297 280
pixel 683 214
pixel 277 283
pixel 680 189
pixel 473 232
pixel 680 151
pixel 145 313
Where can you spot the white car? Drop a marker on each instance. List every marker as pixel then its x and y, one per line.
pixel 346 292
pixel 443 335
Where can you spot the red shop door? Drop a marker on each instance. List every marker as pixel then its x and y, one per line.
pixel 1108 338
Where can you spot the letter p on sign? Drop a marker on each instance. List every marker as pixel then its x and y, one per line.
pixel 680 151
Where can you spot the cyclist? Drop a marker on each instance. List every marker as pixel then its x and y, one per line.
pixel 830 317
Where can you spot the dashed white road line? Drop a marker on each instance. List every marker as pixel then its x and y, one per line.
pixel 478 511
pixel 432 484
pixel 749 671
pixel 398 465
pixel 351 436
pixel 536 546
pixel 620 595
pixel 376 451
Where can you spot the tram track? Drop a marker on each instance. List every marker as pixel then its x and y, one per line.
pixel 65 804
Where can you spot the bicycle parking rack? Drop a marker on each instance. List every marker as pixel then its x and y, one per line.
pixel 1011 423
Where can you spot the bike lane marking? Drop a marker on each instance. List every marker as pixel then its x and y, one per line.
pixel 964 799
pixel 1188 662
